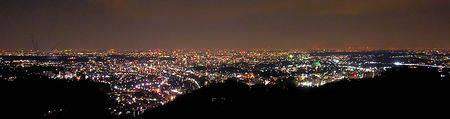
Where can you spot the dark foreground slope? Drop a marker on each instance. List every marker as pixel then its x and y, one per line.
pixel 399 91
pixel 33 96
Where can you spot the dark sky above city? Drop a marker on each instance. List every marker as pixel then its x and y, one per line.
pixel 150 24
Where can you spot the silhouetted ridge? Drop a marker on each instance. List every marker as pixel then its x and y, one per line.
pixel 34 96
pixel 407 89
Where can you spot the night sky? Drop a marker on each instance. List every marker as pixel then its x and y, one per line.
pixel 150 24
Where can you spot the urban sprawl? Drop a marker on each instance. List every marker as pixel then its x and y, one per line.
pixel 142 80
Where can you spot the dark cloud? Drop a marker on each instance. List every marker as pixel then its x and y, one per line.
pixel 146 24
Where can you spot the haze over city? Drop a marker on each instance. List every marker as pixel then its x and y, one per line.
pixel 287 24
pixel 145 59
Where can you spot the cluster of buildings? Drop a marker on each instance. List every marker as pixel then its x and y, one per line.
pixel 142 80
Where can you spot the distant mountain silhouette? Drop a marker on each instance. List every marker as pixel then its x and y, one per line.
pixel 412 90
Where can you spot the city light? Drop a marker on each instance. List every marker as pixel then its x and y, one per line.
pixel 142 80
